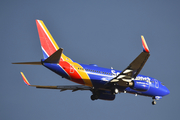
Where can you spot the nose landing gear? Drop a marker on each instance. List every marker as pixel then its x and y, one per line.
pixel 154 102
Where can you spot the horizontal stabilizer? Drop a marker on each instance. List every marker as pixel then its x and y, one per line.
pixel 55 57
pixel 29 63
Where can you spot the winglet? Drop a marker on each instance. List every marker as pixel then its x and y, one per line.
pixel 145 47
pixel 25 80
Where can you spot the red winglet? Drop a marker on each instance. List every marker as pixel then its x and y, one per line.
pixel 25 80
pixel 145 47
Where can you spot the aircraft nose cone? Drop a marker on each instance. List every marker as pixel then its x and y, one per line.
pixel 167 91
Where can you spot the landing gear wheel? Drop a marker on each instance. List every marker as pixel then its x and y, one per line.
pixel 94 97
pixel 153 102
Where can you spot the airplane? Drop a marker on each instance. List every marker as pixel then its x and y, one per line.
pixel 104 83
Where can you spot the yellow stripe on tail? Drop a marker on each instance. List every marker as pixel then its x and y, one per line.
pixel 25 80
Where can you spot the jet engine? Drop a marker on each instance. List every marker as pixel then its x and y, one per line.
pixel 103 95
pixel 139 85
pixel 106 95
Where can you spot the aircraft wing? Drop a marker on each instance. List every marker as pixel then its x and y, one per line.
pixel 127 75
pixel 66 87
pixel 62 88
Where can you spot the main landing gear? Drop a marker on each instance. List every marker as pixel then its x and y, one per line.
pixel 95 94
pixel 94 97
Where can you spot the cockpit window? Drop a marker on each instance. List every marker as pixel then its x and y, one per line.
pixel 162 84
pixel 152 81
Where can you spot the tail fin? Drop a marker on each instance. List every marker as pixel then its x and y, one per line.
pixel 48 44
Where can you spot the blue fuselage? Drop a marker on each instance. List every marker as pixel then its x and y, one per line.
pixel 100 76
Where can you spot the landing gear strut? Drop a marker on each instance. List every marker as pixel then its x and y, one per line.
pixel 154 101
pixel 95 94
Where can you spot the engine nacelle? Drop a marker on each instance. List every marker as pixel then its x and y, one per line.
pixel 106 95
pixel 140 85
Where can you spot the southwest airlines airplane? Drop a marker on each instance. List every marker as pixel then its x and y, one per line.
pixel 102 82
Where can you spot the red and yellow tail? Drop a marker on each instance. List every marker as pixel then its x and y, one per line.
pixel 48 43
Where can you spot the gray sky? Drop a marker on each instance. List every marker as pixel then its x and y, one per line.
pixel 106 33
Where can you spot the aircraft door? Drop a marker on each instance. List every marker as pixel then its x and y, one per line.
pixel 71 69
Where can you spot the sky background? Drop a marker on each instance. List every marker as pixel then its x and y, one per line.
pixel 106 33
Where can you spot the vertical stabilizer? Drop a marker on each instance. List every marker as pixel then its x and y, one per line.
pixel 48 44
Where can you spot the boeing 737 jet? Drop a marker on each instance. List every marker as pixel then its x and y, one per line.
pixel 104 83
